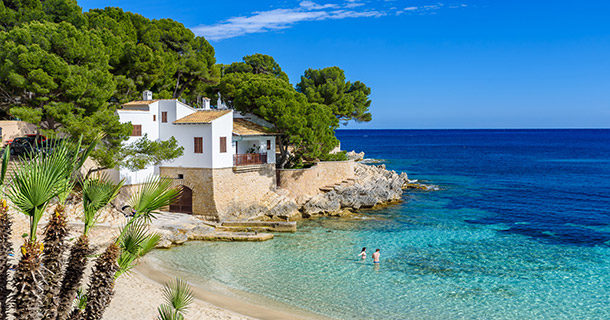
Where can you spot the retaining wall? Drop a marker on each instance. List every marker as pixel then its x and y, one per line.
pixel 305 183
pixel 219 193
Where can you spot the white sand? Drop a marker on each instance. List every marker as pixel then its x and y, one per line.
pixel 138 297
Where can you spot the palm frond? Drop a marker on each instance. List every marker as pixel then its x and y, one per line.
pixel 97 193
pixel 178 294
pixel 135 241
pixel 153 195
pixel 80 159
pixel 168 313
pixel 5 158
pixel 81 299
pixel 37 180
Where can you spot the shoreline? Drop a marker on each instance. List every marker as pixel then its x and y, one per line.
pixel 243 305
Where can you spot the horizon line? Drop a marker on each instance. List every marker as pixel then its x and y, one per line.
pixel 573 128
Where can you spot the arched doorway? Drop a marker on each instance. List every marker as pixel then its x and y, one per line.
pixel 184 203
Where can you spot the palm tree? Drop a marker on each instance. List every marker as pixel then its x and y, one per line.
pixel 56 232
pixel 119 258
pixel 178 296
pixel 97 193
pixel 133 242
pixel 37 180
pixel 5 242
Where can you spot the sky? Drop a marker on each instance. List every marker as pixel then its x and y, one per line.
pixel 430 64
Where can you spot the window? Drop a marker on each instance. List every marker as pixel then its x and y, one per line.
pixel 164 116
pixel 198 145
pixel 154 117
pixel 223 144
pixel 180 176
pixel 137 130
pixel 268 144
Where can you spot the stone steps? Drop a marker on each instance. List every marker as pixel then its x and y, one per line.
pixel 235 236
pixel 269 226
pixel 346 182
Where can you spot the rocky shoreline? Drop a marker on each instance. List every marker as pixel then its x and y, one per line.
pixel 371 186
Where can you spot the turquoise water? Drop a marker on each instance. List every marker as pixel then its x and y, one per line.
pixel 519 230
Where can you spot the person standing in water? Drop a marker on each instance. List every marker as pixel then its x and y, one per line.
pixel 362 254
pixel 376 255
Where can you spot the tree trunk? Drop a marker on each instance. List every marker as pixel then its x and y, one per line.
pixel 52 259
pixel 27 287
pixel 283 158
pixel 177 85
pixel 73 276
pixel 5 263
pixel 76 314
pixel 94 170
pixel 101 284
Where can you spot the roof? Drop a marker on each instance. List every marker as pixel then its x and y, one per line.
pixel 243 127
pixel 202 116
pixel 138 105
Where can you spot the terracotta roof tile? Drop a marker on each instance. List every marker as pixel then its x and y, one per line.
pixel 202 116
pixel 138 105
pixel 243 127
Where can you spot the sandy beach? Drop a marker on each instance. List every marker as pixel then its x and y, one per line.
pixel 137 296
pixel 139 293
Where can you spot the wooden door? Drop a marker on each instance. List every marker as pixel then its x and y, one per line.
pixel 184 203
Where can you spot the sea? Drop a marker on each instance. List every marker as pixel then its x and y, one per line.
pixel 519 229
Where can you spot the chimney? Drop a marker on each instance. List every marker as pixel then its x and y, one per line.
pixel 205 103
pixel 147 95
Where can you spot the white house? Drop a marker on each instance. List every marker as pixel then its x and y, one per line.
pixel 215 142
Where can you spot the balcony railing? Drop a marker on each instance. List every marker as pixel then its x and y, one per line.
pixel 249 159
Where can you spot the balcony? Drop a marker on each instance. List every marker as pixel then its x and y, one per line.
pixel 247 159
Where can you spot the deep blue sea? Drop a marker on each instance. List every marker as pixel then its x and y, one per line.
pixel 520 229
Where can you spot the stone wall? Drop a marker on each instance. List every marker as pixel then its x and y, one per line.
pixel 12 129
pixel 306 183
pixel 221 194
pixel 238 188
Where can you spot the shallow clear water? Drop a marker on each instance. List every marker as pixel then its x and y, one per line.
pixel 520 230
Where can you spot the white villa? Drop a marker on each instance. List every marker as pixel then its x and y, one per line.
pixel 223 150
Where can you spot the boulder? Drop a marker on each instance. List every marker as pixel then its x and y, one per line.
pixel 356 156
pixel 321 204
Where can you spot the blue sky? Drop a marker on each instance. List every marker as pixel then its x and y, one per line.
pixel 430 64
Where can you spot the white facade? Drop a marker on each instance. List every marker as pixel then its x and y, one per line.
pixel 157 119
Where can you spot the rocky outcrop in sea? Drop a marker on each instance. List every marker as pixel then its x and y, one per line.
pixel 373 186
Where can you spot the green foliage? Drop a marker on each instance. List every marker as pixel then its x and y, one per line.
pixel 153 195
pixel 178 296
pixel 135 241
pixel 143 152
pixel 257 64
pixel 6 155
pixel 307 127
pixel 66 71
pixel 347 101
pixel 81 299
pixel 54 75
pixel 39 179
pixel 97 193
pixel 158 55
pixel 339 156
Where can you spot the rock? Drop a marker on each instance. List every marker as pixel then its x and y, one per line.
pixel 164 244
pixel 353 155
pixel 199 232
pixel 321 204
pixel 178 238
